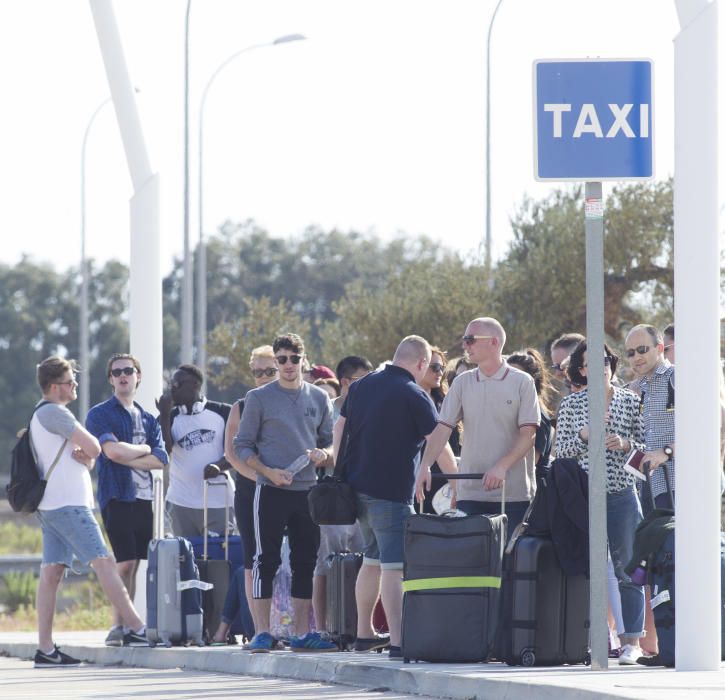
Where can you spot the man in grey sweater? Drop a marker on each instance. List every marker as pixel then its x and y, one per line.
pixel 284 432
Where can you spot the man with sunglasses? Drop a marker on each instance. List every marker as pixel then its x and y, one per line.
pixel 655 377
pixel 285 431
pixel 131 447
pixel 500 412
pixel 194 435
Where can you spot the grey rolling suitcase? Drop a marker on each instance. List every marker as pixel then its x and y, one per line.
pixel 451 582
pixel 173 589
pixel 342 573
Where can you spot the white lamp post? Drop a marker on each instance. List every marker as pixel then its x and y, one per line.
pixel 488 138
pixel 84 351
pixel 201 262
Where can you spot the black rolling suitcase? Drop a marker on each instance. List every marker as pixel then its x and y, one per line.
pixel 451 582
pixel 342 573
pixel 217 572
pixel 544 612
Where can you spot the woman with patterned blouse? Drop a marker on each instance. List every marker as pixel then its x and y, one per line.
pixel 624 513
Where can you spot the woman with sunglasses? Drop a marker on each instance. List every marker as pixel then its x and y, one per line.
pixel 434 383
pixel 264 370
pixel 624 512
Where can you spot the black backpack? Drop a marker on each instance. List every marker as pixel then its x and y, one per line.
pixel 26 488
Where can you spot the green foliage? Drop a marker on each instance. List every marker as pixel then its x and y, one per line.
pixel 540 283
pixel 18 589
pixel 18 538
pixel 434 299
pixel 230 344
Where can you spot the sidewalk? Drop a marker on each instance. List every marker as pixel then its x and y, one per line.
pixel 456 681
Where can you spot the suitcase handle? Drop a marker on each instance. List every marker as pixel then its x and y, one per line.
pixel 668 486
pixel 226 515
pixel 459 475
pixel 157 508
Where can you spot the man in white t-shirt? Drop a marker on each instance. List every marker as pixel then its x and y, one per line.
pixel 131 446
pixel 65 453
pixel 194 435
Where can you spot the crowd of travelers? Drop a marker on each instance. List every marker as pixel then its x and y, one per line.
pixel 505 417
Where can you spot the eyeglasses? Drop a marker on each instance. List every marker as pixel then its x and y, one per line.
pixel 354 379
pixel 128 371
pixel 640 350
pixel 436 367
pixel 70 382
pixel 557 367
pixel 294 359
pixel 269 372
pixel 667 347
pixel 471 339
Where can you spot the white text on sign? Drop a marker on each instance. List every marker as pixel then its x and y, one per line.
pixel 588 121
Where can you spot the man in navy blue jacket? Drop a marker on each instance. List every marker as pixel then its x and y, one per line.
pixel 131 446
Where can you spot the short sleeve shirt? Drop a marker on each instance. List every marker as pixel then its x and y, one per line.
pixel 492 410
pixel 387 418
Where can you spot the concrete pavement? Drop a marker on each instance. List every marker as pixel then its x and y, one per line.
pixel 456 681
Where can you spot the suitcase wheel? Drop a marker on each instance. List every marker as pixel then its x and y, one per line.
pixel 406 660
pixel 152 644
pixel 168 644
pixel 587 659
pixel 528 658
pixel 379 651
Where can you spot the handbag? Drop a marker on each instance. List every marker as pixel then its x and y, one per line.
pixel 332 500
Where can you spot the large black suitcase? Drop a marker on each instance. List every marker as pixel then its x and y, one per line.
pixel 217 572
pixel 451 582
pixel 544 612
pixel 341 614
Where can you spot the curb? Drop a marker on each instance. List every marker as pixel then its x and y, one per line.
pixel 457 682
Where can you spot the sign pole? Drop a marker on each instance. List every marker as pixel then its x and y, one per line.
pixel 594 231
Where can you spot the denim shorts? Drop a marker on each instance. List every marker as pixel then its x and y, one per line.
pixel 381 525
pixel 68 532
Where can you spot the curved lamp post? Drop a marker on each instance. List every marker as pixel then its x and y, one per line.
pixel 84 351
pixel 488 139
pixel 201 262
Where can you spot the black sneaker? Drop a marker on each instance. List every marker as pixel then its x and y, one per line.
pixel 133 639
pixel 371 643
pixel 56 659
pixel 394 652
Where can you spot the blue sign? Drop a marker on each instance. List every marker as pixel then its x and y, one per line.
pixel 593 120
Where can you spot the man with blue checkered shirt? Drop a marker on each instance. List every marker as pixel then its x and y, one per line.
pixel 655 383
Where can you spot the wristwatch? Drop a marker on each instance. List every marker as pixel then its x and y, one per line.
pixel 667 450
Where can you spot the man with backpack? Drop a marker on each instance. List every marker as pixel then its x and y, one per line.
pixel 65 453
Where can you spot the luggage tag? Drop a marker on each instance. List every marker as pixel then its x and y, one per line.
pixel 194 583
pixel 663 597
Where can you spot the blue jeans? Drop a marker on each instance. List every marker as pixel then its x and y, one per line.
pixel 68 532
pixel 515 511
pixel 381 526
pixel 623 515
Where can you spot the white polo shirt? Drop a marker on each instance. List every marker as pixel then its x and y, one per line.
pixel 492 410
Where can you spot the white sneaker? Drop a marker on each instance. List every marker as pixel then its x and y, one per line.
pixel 629 654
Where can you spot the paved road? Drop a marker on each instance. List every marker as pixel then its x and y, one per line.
pixel 19 680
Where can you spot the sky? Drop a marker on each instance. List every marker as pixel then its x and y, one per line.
pixel 374 123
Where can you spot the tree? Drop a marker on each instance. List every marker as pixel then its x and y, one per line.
pixel 431 298
pixel 230 343
pixel 540 283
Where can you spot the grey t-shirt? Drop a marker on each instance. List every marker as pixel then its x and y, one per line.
pixel 142 479
pixel 279 425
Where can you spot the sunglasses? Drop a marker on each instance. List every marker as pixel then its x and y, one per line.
pixel 294 359
pixel 269 372
pixel 640 350
pixel 436 367
pixel 471 339
pixel 128 371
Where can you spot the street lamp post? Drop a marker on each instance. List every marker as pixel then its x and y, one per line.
pixel 201 281
pixel 84 351
pixel 488 139
pixel 187 293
